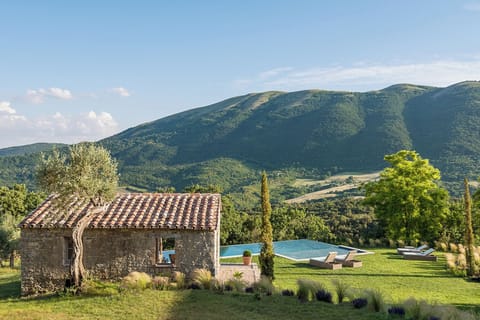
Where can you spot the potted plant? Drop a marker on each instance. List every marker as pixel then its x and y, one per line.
pixel 247 257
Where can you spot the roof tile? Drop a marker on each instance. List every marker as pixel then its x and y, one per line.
pixel 193 211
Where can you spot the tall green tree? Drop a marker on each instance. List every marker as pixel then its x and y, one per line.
pixel 15 203
pixel 407 198
pixel 87 173
pixel 266 253
pixel 297 223
pixel 469 238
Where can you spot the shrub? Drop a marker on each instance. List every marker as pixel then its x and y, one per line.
pixel 288 293
pixel 202 278
pixel 324 295
pixel 160 283
pixel 136 280
pixel 180 279
pixel 307 289
pixel 235 285
pixel 396 310
pixel 264 285
pixel 359 303
pixel 375 300
pixel 247 253
pixel 99 288
pixel 415 309
pixel 341 289
pixel 194 286
pixel 391 243
pixel 249 290
pixel 443 246
pixel 361 242
pixel 400 243
pixel 461 261
pixel 453 248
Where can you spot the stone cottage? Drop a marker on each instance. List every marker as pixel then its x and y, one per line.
pixel 130 235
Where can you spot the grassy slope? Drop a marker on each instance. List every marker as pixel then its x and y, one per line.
pixel 315 132
pixel 396 278
pixel 29 149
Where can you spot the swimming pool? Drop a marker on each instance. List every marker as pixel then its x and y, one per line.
pixel 297 250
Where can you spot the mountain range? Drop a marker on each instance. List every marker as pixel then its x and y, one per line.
pixel 309 133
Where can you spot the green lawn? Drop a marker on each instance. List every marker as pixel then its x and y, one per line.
pixel 396 278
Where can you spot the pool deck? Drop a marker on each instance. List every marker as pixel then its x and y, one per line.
pixel 296 250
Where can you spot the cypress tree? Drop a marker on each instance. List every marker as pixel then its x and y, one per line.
pixel 266 254
pixel 469 239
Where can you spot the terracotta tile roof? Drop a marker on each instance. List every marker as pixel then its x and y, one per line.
pixel 192 211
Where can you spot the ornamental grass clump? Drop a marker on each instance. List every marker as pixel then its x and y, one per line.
pixel 264 285
pixel 341 289
pixel 453 247
pixel 235 284
pixel 180 279
pixel 457 264
pixel 136 281
pixel 161 283
pixel 202 278
pixel 419 309
pixel 307 289
pixel 422 310
pixel 375 299
pixel 441 246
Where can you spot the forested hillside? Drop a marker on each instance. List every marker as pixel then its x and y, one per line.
pixel 310 133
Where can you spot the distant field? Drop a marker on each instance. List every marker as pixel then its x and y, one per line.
pixel 342 182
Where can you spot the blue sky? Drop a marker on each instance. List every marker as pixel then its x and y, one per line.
pixel 83 70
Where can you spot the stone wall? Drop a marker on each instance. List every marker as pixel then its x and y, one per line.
pixel 109 254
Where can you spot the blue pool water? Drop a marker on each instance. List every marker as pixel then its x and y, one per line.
pixel 291 249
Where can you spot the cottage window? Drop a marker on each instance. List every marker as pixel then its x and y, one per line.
pixel 67 250
pixel 164 250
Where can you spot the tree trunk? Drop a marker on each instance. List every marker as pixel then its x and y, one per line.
pixel 77 268
pixel 469 237
pixel 12 259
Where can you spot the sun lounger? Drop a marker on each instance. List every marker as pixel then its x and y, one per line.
pixel 425 255
pixel 349 260
pixel 327 263
pixel 412 249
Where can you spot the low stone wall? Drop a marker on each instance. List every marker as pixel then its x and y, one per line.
pixel 109 254
pixel 250 273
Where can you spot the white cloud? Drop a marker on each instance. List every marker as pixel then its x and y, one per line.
pixel 19 130
pixel 365 76
pixel 121 91
pixel 274 72
pixel 38 96
pixel 5 108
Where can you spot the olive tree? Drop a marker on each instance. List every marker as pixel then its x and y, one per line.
pixel 86 173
